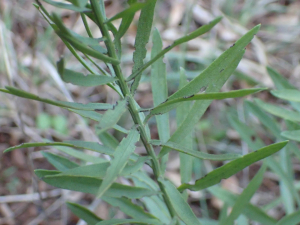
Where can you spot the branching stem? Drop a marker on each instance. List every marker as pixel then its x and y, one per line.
pixel 132 104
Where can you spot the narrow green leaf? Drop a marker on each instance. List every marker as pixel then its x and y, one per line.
pixel 181 207
pixel 108 140
pixel 38 144
pixel 252 212
pixel 70 76
pixel 71 105
pixel 40 173
pixel 282 83
pixel 154 204
pixel 186 161
pixel 201 155
pixel 171 104
pixel 160 91
pixel 93 146
pixel 98 170
pixel 83 213
pixel 141 39
pixel 80 3
pixel 245 197
pixel 254 142
pixel 80 155
pixel 279 111
pixel 263 117
pixel 91 185
pixel 59 162
pixel 112 116
pixel 292 135
pixel 91 42
pixel 132 9
pixel 248 135
pixel 130 209
pixel 97 117
pixel 279 81
pixel 202 30
pixel 233 167
pixel 216 69
pixel 121 156
pixel 287 94
pixel 199 108
pixel 67 6
pixel 137 165
pixel 64 34
pixel 212 78
pixel 130 221
pixel 125 24
pixel 292 219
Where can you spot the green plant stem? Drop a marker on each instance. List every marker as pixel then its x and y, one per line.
pixel 87 28
pixel 132 105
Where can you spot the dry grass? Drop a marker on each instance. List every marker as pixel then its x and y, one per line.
pixel 29 50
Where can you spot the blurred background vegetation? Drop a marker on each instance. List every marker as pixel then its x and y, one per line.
pixel 29 50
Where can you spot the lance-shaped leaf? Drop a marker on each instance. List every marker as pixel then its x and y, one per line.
pixel 215 70
pixel 212 78
pixel 64 34
pixel 38 144
pixel 245 197
pixel 160 91
pixel 282 83
pixel 265 118
pixel 233 167
pixel 98 170
pixel 141 40
pixel 251 138
pixel 91 185
pixel 80 3
pixel 67 6
pixel 181 207
pixel 154 204
pixel 59 162
pixel 127 12
pixel 171 104
pixel 199 107
pixel 40 173
pixel 80 155
pixel 279 81
pixel 83 213
pixel 202 30
pixel 279 111
pixel 112 116
pixel 287 94
pixel 97 117
pixel 186 161
pixel 201 155
pixel 71 105
pixel 70 76
pixel 291 219
pixel 252 212
pixel 121 156
pixel 93 146
pixel 91 42
pixel 291 134
pixel 129 208
pixel 130 221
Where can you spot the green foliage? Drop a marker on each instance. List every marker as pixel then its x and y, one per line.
pixel 83 213
pixel 162 202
